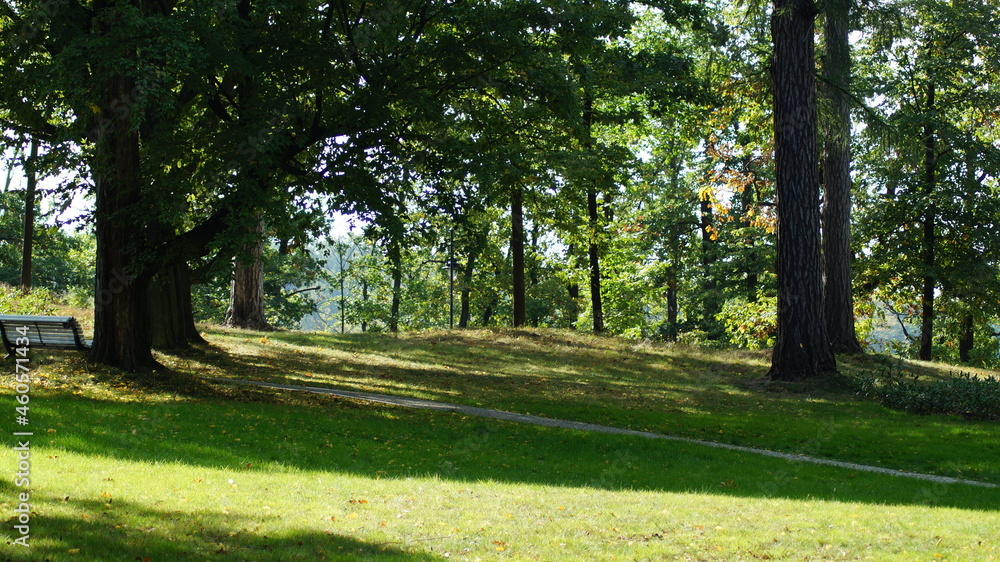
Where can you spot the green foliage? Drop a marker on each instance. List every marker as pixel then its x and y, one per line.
pixel 962 394
pixel 750 325
pixel 697 338
pixel 37 302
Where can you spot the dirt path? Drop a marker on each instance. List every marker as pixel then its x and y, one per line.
pixel 420 403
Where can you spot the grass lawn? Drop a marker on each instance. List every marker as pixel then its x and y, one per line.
pixel 124 471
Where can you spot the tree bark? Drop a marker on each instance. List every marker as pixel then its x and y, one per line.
pixel 466 294
pixel 967 341
pixel 672 326
pixel 838 295
pixel 246 292
pixel 170 311
pixel 928 242
pixel 396 270
pixel 802 349
pixel 121 318
pixel 28 237
pixel 710 305
pixel 519 295
pixel 594 226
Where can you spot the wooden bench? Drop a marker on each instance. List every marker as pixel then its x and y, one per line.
pixel 54 332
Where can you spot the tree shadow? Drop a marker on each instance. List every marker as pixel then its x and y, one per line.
pixel 376 442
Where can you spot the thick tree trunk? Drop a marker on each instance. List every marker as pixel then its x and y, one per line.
pixel 121 319
pixel 802 349
pixel 246 292
pixel 28 237
pixel 929 241
pixel 519 295
pixel 170 309
pixel 838 295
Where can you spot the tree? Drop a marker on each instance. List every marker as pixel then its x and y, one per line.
pixel 836 216
pixel 802 349
pixel 246 295
pixel 932 167
pixel 28 238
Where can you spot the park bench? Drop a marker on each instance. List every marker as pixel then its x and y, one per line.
pixel 54 332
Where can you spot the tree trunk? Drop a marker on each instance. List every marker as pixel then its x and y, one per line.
pixel 967 341
pixel 519 295
pixel 246 292
pixel 121 300
pixel 710 305
pixel 29 217
pixel 170 309
pixel 594 226
pixel 838 296
pixel 396 269
pixel 802 349
pixel 927 254
pixel 672 327
pixel 467 278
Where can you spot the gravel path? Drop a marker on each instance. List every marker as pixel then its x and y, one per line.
pixel 420 403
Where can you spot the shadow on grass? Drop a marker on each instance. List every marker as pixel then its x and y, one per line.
pixel 95 530
pixel 383 442
pixel 675 391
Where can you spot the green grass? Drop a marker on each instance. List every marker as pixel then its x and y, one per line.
pixel 124 469
pixel 713 395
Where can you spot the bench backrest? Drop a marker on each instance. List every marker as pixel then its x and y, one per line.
pixel 60 332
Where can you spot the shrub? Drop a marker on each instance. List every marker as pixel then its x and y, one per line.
pixel 750 325
pixel 962 394
pixel 40 302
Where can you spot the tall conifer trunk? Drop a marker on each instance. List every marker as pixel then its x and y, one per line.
pixel 838 294
pixel 519 296
pixel 929 241
pixel 802 349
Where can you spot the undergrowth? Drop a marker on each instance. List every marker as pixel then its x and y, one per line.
pixel 962 394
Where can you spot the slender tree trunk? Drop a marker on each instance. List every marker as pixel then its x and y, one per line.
pixel 594 224
pixel 467 278
pixel 364 299
pixel 121 318
pixel 343 305
pixel 837 255
pixel 672 327
pixel 802 349
pixel 929 241
pixel 519 295
pixel 710 305
pixel 488 312
pixel 246 292
pixel 967 341
pixel 396 270
pixel 29 217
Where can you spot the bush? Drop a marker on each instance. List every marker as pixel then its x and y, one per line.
pixel 962 394
pixel 37 302
pixel 750 325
